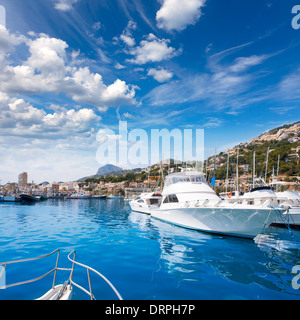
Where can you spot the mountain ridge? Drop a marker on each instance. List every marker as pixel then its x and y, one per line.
pixel 282 140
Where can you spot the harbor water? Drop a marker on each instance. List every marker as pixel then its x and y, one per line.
pixel 144 258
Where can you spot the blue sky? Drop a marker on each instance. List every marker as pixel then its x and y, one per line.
pixel 72 67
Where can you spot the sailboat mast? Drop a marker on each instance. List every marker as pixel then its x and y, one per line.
pixel 237 170
pixel 253 169
pixel 227 171
pixel 277 172
pixel 266 171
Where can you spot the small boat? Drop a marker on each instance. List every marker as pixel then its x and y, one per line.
pixel 10 199
pixel 63 291
pixel 145 202
pixel 78 196
pixel 29 198
pixel 188 201
pixel 43 198
pixel 264 194
pixel 292 216
pixel 102 197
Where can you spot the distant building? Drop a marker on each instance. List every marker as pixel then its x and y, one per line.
pixel 22 180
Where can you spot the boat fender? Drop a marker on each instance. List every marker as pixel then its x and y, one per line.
pixel 229 195
pixel 187 204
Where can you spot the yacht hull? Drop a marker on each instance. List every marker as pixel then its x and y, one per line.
pixel 290 218
pixel 240 222
pixel 140 208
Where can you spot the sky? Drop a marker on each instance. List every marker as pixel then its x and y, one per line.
pixel 70 68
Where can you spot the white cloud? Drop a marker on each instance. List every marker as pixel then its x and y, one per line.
pixel 8 42
pixel 289 87
pixel 128 115
pixel 282 110
pixel 24 114
pixel 178 14
pixel 64 5
pixel 213 122
pixel 126 35
pixel 128 40
pixel 48 55
pixel 119 66
pixel 49 68
pixel 86 87
pixel 224 87
pixel 244 63
pixel 97 25
pixel 160 75
pixel 20 118
pixel 153 49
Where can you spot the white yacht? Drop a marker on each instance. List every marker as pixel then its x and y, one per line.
pixel 263 194
pixel 188 201
pixel 80 195
pixel 145 202
pixel 292 200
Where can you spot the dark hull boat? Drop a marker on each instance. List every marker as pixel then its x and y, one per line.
pixel 29 198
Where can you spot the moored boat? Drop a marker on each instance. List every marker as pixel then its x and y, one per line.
pixel 10 199
pixel 29 198
pixel 189 202
pixel 78 196
pixel 145 202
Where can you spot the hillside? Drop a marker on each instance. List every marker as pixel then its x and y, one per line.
pixel 282 142
pixel 107 169
pixel 290 132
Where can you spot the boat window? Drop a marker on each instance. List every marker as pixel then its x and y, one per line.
pixel 198 179
pixel 154 201
pixel 141 201
pixel 185 178
pixel 171 198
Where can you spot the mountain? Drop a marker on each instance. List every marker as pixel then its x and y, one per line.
pixel 290 132
pixel 108 169
pixel 282 142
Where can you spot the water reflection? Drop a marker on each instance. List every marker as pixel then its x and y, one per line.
pixel 150 259
pixel 194 256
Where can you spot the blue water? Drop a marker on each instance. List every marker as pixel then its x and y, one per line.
pixel 144 258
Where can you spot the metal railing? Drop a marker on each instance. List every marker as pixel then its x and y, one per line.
pixel 90 292
pixel 5 264
pixel 55 269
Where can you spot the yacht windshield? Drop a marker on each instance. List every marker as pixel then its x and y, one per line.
pixel 172 179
